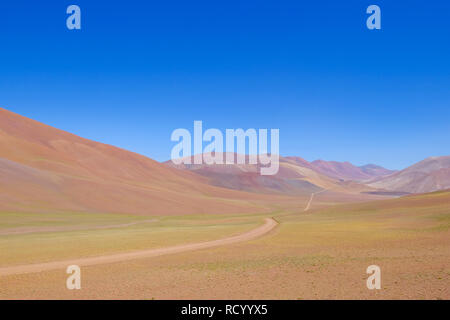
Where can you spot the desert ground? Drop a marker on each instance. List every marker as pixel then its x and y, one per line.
pixel 318 253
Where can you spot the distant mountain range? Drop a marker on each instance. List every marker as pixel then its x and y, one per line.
pixel 348 171
pixel 298 176
pixel 295 176
pixel 428 175
pixel 43 168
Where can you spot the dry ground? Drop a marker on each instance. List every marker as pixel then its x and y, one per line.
pixel 319 254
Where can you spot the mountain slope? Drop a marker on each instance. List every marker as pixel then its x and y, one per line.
pixel 296 176
pixel 247 177
pixel 348 171
pixel 43 168
pixel 428 175
pixel 375 171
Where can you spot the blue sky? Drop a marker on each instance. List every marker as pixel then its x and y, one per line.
pixel 140 69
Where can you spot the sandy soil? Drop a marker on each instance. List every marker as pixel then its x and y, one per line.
pixel 27 230
pixel 276 266
pixel 320 254
pixel 39 267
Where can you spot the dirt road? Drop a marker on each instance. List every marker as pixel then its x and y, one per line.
pixel 32 268
pixel 308 205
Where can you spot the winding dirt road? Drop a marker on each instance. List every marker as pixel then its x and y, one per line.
pixel 39 267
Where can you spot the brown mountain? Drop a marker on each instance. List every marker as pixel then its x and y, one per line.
pixel 43 168
pixel 373 170
pixel 428 175
pixel 295 176
pixel 348 171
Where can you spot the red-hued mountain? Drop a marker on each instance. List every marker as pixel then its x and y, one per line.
pixel 376 171
pixel 295 176
pixel 43 168
pixel 46 169
pixel 348 171
pixel 247 177
pixel 428 175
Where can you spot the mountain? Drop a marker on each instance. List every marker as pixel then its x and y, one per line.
pixel 428 175
pixel 247 177
pixel 296 176
pixel 348 171
pixel 43 168
pixel 373 170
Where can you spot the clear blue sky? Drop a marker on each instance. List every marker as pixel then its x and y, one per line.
pixel 140 69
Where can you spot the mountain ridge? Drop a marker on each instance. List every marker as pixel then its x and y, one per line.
pixel 44 168
pixel 429 175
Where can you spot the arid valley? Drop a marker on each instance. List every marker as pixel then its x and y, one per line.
pixel 141 229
